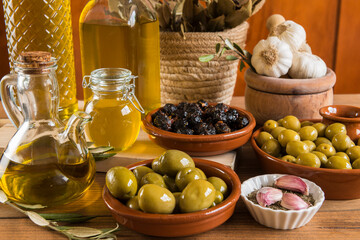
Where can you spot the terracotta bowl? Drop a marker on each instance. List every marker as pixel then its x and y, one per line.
pixel 182 224
pixel 348 115
pixel 337 184
pixel 200 145
pixel 273 98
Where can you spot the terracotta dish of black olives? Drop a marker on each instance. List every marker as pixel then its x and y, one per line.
pixel 199 128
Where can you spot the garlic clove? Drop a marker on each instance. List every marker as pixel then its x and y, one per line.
pixel 292 183
pixel 292 201
pixel 268 195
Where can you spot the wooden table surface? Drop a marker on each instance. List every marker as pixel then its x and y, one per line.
pixel 335 219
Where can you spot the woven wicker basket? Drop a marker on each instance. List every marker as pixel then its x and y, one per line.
pixel 185 78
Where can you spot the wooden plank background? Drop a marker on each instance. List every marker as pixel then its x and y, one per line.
pixel 331 27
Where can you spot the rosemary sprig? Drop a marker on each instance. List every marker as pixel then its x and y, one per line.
pixel 242 54
pixel 72 233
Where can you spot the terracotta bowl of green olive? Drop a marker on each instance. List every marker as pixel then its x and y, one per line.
pixel 337 184
pixel 179 224
pixel 200 145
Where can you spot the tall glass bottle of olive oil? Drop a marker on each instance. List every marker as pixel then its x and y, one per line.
pixel 44 25
pixel 123 34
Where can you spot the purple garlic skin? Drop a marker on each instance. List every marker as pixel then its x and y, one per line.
pixel 292 183
pixel 268 195
pixel 293 202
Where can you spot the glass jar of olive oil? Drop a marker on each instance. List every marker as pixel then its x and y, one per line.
pixel 115 110
pixel 123 34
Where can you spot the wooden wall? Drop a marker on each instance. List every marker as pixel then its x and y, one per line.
pixel 331 26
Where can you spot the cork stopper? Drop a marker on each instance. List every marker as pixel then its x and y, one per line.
pixel 35 61
pixel 34 57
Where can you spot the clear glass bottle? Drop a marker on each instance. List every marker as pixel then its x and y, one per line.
pixel 123 34
pixel 115 110
pixel 45 162
pixel 44 25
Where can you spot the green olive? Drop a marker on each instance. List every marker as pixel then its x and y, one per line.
pixel 353 153
pixel 287 136
pixel 177 199
pixel 153 178
pixel 218 197
pixel 356 164
pixel 322 157
pixel 342 142
pixel 170 183
pixel 156 199
pixel 121 182
pixel 219 184
pixel 133 203
pixel 326 149
pixel 294 148
pixel 141 171
pixel 272 147
pixel 308 133
pixel 321 140
pixel 308 159
pixel 276 131
pixel 337 162
pixel 197 195
pixel 263 137
pixel 186 175
pixel 310 144
pixel 269 125
pixel 320 128
pixel 343 155
pixel 306 123
pixel 291 122
pixel 333 129
pixel 280 121
pixel 289 158
pixel 172 161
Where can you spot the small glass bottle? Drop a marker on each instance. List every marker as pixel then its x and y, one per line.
pixel 115 110
pixel 123 34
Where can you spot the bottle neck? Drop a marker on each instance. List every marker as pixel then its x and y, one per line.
pixel 38 95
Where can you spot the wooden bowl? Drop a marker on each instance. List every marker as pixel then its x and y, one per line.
pixel 347 115
pixel 273 98
pixel 337 184
pixel 200 145
pixel 180 224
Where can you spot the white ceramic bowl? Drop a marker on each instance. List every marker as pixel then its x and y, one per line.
pixel 279 219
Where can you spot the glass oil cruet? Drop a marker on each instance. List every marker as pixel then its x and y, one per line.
pixel 45 162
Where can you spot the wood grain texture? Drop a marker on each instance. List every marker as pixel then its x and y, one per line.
pixel 335 219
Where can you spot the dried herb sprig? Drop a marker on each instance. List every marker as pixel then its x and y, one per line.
pixel 72 233
pixel 242 54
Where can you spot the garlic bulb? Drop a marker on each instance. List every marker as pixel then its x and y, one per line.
pixel 307 65
pixel 274 20
pixel 272 57
pixel 305 48
pixel 291 33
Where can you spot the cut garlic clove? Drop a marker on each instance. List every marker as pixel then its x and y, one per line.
pixel 292 201
pixel 292 183
pixel 268 195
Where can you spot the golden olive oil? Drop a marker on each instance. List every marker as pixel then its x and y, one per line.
pixel 44 26
pixel 115 123
pixel 137 48
pixel 49 181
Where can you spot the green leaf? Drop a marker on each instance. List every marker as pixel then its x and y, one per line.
pixel 217 48
pixel 231 58
pixel 101 149
pixel 206 58
pixel 28 206
pixel 66 217
pixel 242 65
pixel 104 156
pixel 223 50
pixel 229 44
pixel 237 47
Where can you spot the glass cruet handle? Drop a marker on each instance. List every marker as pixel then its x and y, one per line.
pixel 8 99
